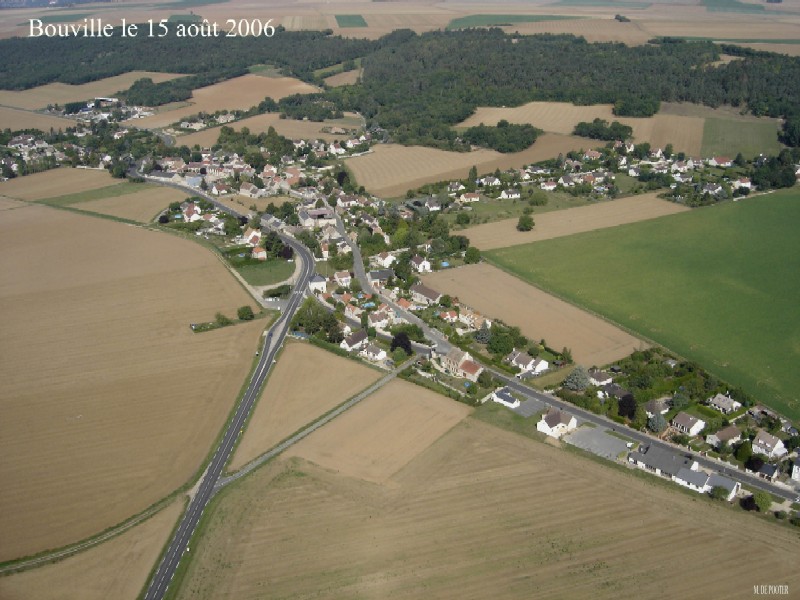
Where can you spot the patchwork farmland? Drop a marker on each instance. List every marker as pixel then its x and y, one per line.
pixel 539 315
pixel 485 499
pixel 704 284
pixel 127 399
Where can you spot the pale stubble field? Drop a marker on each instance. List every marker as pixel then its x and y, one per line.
pixel 479 513
pixel 110 402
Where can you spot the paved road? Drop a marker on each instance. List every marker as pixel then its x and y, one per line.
pixel 442 345
pixel 750 481
pixel 274 339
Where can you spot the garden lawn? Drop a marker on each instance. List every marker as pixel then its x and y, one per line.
pixel 717 285
pixel 266 273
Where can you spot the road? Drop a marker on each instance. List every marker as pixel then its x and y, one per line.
pixel 205 490
pixel 442 345
pixel 750 481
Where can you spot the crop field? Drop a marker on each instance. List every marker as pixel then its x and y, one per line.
pixel 60 93
pixel 376 439
pixel 390 169
pixel 728 137
pixel 117 568
pixel 240 92
pixel 487 20
pixel 291 128
pixel 705 284
pixel 350 21
pixel 602 29
pixel 306 383
pixel 344 78
pixel 561 223
pixel 56 182
pixel 108 397
pixel 15 119
pixel 480 513
pixel 141 206
pixel 539 315
pixel 243 203
pixel 696 22
pixel 685 133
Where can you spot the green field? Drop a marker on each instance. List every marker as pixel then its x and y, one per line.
pixel 487 211
pixel 492 20
pixel 602 3
pixel 732 6
pixel 350 21
pixel 267 272
pixel 111 191
pixel 717 285
pixel 727 137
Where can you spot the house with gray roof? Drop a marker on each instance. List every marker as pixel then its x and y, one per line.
pixel 729 485
pixel 503 396
pixel 694 480
pixel 686 423
pixel 728 435
pixel 724 404
pixel 661 461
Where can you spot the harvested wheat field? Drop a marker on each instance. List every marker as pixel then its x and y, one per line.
pixel 60 93
pixel 594 29
pixel 16 119
pixel 377 438
pixel 685 133
pixel 9 204
pixel 481 513
pixel 140 206
pixel 56 182
pixel 290 128
pixel 538 314
pixel 559 223
pixel 110 402
pixel 389 169
pixel 306 383
pixel 118 568
pixel 240 92
pixel 344 78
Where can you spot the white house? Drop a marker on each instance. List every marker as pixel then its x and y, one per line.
pixel 422 294
pixel 354 341
pixel 727 435
pixel 385 259
pixel 342 278
pixel 374 353
pixel 599 378
pixel 548 186
pixel 420 264
pixel 724 404
pixel 694 480
pixel 556 423
pixel 686 423
pixel 469 197
pixel 251 236
pixel 767 444
pixel 526 363
pixel 510 194
pixel 503 396
pixel 318 284
pixel 259 253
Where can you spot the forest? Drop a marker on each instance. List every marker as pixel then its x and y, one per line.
pixel 418 86
pixel 599 129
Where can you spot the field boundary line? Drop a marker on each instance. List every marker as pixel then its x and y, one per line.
pixel 24 564
pixel 311 427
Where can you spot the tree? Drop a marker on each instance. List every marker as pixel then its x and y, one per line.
pixel 566 354
pixel 657 423
pixel 483 335
pixel 525 223
pixel 485 379
pixel 639 419
pixel 744 451
pixel 762 500
pixel 222 320
pixel 472 255
pixel 402 341
pixel 754 463
pixel 680 401
pixel 462 218
pixel 399 355
pixel 577 380
pixel 245 313
pixel 500 343
pixel 718 493
pixel 627 406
